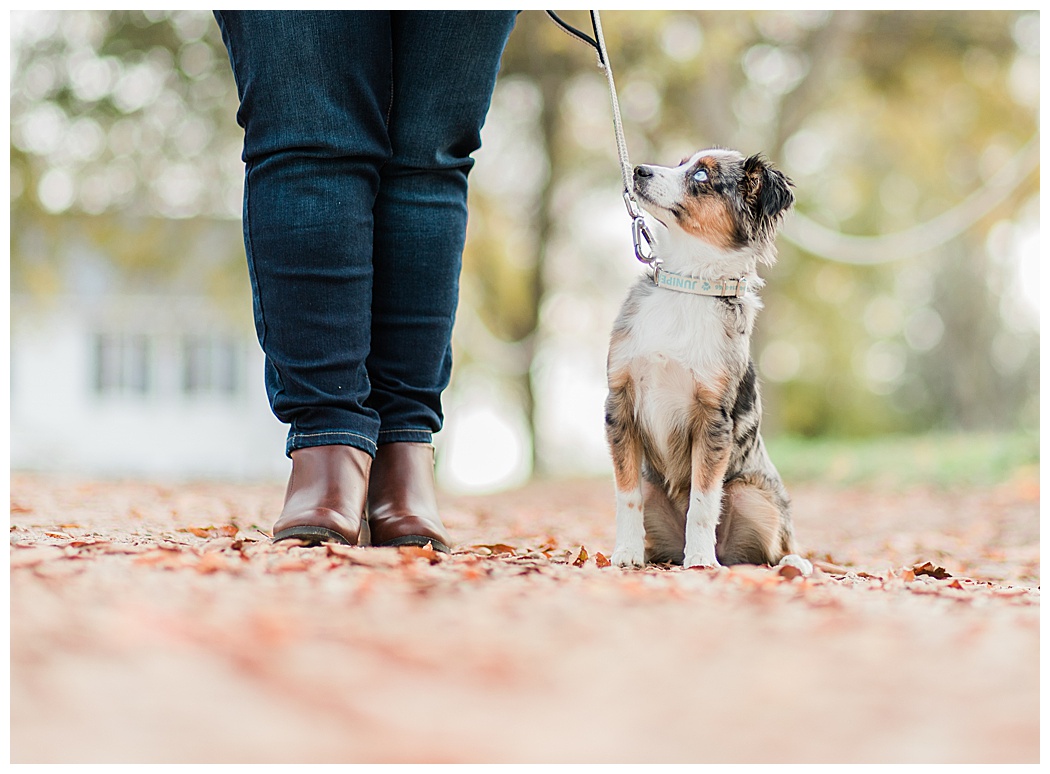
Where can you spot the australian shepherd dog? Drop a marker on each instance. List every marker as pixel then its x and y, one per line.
pixel 694 484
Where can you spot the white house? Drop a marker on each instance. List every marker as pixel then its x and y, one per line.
pixel 139 385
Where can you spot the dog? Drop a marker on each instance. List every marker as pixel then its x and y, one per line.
pixel 694 483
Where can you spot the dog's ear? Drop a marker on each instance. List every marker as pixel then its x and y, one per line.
pixel 766 190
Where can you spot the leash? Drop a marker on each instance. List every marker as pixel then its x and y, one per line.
pixel 643 238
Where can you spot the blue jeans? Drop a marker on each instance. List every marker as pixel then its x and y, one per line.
pixel 358 130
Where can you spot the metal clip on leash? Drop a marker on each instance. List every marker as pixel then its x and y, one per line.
pixel 643 238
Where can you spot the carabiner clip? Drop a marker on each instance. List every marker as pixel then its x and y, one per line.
pixel 643 241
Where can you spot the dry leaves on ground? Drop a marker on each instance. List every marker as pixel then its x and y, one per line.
pixel 210 643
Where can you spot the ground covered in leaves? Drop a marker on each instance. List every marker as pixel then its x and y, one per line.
pixel 156 623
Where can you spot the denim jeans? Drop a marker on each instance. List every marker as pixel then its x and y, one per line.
pixel 358 130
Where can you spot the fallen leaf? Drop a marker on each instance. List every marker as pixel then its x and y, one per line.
pixel 59 535
pixel 337 549
pixel 201 532
pixel 365 557
pixel 581 559
pixel 830 567
pixel 929 568
pixel 88 543
pixel 17 508
pixel 788 572
pixel 601 561
pixel 498 548
pixel 548 545
pixel 419 552
pixel 229 530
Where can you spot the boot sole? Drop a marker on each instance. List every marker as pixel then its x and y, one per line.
pixel 417 540
pixel 313 536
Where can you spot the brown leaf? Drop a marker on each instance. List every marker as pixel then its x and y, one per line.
pixel 88 543
pixel 18 508
pixel 419 552
pixel 201 532
pixel 548 545
pixel 829 567
pixel 788 572
pixel 581 559
pixel 929 568
pixel 601 561
pixel 907 575
pixel 226 530
pixel 366 557
pixel 498 548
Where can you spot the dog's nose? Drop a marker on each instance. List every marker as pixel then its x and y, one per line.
pixel 642 171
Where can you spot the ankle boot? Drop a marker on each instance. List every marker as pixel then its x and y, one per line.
pixel 326 495
pixel 402 501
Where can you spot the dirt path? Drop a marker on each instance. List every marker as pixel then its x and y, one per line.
pixel 156 623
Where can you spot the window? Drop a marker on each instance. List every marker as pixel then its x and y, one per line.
pixel 123 364
pixel 210 365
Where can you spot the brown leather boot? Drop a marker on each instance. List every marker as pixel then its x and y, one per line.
pixel 402 501
pixel 325 501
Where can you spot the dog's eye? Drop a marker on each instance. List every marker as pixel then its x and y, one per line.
pixel 700 176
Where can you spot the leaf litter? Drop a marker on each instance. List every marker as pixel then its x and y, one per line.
pixel 913 593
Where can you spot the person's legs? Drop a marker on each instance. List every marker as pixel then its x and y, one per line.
pixel 444 71
pixel 315 94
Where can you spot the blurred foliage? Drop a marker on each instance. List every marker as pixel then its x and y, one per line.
pixel 902 461
pixel 884 119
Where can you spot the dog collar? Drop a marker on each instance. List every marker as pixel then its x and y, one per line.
pixel 723 288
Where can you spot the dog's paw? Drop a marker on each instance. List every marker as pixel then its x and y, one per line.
pixel 700 560
pixel 799 563
pixel 628 557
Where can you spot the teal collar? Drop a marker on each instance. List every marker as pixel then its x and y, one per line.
pixel 723 288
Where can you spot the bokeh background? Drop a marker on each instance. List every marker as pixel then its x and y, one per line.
pixel 901 326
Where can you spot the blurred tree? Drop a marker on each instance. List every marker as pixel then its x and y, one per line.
pixel 121 115
pixel 885 120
